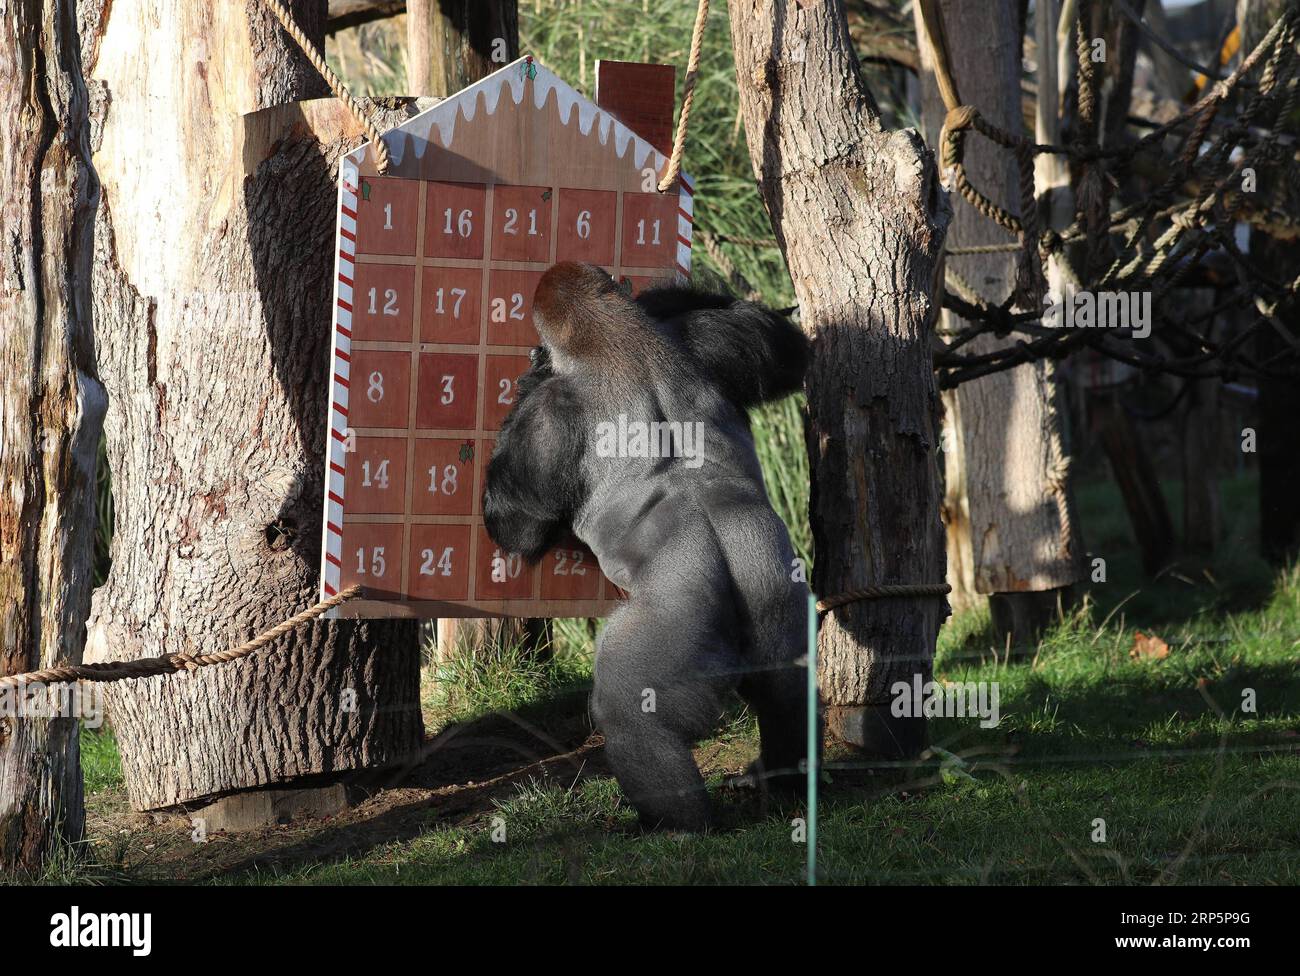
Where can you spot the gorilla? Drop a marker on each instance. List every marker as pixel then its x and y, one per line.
pixel 686 529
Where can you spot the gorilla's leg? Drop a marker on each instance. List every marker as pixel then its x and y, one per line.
pixel 661 679
pixel 776 687
pixel 779 700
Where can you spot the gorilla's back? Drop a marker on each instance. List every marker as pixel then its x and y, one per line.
pixel 650 518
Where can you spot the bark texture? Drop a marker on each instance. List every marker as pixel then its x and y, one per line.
pixel 1006 429
pixel 450 42
pixel 51 413
pixel 212 279
pixel 860 219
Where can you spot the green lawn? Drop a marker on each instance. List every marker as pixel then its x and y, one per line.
pixel 1191 788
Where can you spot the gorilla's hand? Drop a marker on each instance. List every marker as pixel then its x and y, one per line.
pixel 539 369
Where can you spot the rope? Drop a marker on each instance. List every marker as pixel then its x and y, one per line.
pixel 883 592
pixel 688 98
pixel 171 663
pixel 738 281
pixel 983 249
pixel 932 18
pixel 335 83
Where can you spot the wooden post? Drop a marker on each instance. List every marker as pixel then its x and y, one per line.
pixel 956 509
pixel 1022 551
pixel 212 282
pixel 1202 436
pixel 51 408
pixel 452 43
pixel 861 235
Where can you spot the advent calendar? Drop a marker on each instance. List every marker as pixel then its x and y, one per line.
pixel 436 265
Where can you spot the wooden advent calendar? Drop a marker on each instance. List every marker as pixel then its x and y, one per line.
pixel 436 265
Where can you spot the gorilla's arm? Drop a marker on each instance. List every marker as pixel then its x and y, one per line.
pixel 533 480
pixel 753 353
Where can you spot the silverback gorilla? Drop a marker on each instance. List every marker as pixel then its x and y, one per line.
pixel 707 564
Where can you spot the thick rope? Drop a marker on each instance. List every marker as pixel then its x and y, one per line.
pixel 688 98
pixel 171 663
pixel 335 83
pixel 983 249
pixel 883 592
pixel 932 18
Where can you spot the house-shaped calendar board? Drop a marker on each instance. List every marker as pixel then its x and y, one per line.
pixel 436 265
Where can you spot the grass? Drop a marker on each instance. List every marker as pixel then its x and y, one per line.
pixel 1166 756
pixel 501 676
pixel 100 763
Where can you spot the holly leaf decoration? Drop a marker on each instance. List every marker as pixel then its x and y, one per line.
pixel 467 452
pixel 546 195
pixel 365 189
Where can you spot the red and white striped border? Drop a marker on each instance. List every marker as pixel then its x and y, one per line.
pixel 340 369
pixel 685 224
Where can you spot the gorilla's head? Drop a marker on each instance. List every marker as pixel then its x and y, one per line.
pixel 580 312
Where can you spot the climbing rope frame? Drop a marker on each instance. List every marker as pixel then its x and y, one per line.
pixel 1196 224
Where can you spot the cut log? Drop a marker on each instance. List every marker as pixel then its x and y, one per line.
pixel 860 218
pixel 212 281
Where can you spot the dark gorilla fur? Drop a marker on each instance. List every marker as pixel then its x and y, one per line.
pixel 706 562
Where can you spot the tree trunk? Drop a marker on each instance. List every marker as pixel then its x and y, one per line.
pixel 1279 407
pixel 1202 443
pixel 956 509
pixel 860 219
pixel 1279 399
pixel 1021 540
pixel 51 409
pixel 449 43
pixel 1135 476
pixel 213 266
